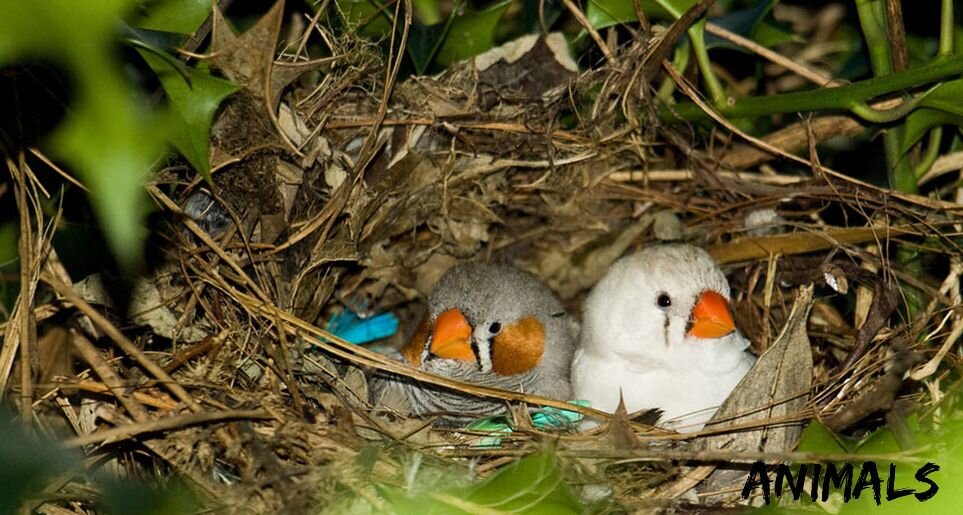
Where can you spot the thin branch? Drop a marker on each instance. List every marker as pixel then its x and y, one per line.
pixel 164 424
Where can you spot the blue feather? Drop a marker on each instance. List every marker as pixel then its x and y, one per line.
pixel 548 417
pixel 358 331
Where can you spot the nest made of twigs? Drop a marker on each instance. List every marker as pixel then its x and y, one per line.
pixel 351 198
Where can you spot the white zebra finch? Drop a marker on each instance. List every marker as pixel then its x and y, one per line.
pixel 658 330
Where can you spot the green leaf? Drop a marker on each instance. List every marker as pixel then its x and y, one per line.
pixel 426 11
pixel 424 41
pixel 30 464
pixel 919 122
pixel 366 17
pixel 610 12
pixel 843 97
pixel 753 23
pixel 9 253
pixel 27 464
pixel 471 33
pixel 770 34
pixel 676 8
pixel 537 12
pixel 883 441
pixel 150 38
pixel 193 104
pixel 939 445
pixel 940 106
pixel 109 137
pixel 400 503
pixel 945 97
pixel 180 16
pixel 605 13
pixel 531 485
pixel 817 438
pixel 127 496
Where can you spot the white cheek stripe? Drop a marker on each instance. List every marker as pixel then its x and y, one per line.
pixel 484 354
pixel 426 352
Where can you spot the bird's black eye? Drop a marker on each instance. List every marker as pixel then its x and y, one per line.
pixel 495 328
pixel 663 300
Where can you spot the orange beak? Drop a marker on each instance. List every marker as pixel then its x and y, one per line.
pixel 711 317
pixel 450 338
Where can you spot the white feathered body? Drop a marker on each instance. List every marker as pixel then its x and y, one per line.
pixel 633 345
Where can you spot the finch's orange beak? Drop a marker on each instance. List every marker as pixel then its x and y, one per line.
pixel 451 335
pixel 711 317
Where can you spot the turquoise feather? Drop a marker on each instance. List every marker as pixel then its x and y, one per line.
pixel 349 326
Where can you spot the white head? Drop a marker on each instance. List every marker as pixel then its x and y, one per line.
pixel 665 307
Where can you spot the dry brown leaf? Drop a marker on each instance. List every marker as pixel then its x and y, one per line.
pixel 619 429
pixel 55 357
pixel 568 273
pixel 147 306
pixel 525 69
pixel 749 248
pixel 885 302
pixel 776 387
pixel 247 59
pixel 284 73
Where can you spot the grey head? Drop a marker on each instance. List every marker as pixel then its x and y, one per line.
pixel 495 300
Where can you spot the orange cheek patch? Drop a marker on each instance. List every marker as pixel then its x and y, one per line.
pixel 413 350
pixel 519 347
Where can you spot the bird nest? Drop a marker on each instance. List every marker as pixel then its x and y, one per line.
pixel 330 195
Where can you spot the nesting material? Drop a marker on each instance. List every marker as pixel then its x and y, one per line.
pixel 343 197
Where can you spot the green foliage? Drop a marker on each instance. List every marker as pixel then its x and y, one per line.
pixel 132 497
pixel 108 137
pixel 8 243
pixel 111 135
pixel 939 445
pixel 605 13
pixel 619 11
pixel 751 22
pixel 818 438
pixel 368 18
pixel 471 33
pixel 676 8
pixel 29 465
pixel 193 99
pixel 536 14
pixel 427 11
pixel 424 41
pixel 754 23
pixel 180 16
pixel 941 106
pixel 906 127
pixel 532 485
pixel 431 40
pixel 845 97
